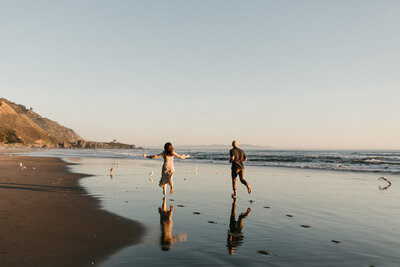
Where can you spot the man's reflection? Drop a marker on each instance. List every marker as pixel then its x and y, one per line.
pixel 166 227
pixel 235 235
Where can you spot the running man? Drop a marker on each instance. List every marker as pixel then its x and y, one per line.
pixel 237 158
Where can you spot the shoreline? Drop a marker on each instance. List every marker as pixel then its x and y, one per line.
pixel 48 219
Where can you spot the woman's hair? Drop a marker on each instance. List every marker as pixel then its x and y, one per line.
pixel 168 149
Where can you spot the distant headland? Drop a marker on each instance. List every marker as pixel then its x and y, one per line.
pixel 22 127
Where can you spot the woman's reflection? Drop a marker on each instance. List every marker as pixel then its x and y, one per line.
pixel 166 227
pixel 235 235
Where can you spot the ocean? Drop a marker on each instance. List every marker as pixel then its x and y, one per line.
pixel 345 160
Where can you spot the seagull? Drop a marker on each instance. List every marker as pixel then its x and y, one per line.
pixel 22 167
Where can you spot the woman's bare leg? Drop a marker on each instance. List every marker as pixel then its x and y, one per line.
pixel 163 189
pixel 171 184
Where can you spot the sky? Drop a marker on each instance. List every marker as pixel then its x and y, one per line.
pixel 283 74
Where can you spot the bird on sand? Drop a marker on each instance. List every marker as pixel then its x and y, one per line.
pixel 22 167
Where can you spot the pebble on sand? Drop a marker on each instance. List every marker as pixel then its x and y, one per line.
pixel 263 252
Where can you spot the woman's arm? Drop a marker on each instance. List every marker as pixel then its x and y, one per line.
pixel 181 156
pixel 153 156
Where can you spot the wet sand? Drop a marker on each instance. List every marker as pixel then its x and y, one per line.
pixel 47 219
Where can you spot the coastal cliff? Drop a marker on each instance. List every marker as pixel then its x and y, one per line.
pixel 22 127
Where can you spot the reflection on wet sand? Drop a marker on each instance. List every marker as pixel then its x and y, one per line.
pixel 166 227
pixel 235 235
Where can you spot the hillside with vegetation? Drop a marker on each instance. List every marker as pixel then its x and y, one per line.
pixel 22 127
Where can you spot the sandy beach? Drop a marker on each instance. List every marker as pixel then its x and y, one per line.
pixel 47 219
pixel 54 215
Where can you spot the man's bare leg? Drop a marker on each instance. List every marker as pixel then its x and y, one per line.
pixel 243 181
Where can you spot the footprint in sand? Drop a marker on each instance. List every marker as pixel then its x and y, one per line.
pixel 266 207
pixel 251 201
pixel 171 199
pixel 196 212
pixel 305 226
pixel 181 206
pixel 212 222
pixel 290 216
pixel 336 241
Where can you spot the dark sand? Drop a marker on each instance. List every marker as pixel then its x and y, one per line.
pixel 46 218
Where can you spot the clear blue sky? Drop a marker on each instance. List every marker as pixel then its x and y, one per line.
pixel 285 74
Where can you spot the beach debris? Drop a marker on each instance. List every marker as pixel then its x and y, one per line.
pixel 251 201
pixel 266 207
pixel 336 241
pixel 151 173
pixel 305 226
pixel 264 252
pixel 212 222
pixel 181 206
pixel 289 215
pixel 112 169
pixel 196 212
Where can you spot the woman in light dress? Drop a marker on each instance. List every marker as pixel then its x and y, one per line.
pixel 168 168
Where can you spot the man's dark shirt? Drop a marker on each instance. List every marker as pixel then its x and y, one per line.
pixel 239 155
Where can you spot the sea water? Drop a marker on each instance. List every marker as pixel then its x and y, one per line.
pixel 294 216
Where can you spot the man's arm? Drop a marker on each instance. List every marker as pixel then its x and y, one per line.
pixel 232 158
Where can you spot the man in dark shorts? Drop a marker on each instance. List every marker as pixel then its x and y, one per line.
pixel 237 158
